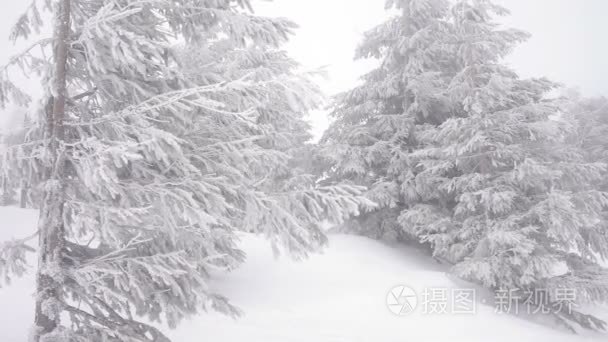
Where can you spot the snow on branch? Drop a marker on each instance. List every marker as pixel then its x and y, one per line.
pixel 13 259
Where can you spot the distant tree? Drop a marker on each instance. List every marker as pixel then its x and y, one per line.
pixel 19 145
pixel 146 169
pixel 7 193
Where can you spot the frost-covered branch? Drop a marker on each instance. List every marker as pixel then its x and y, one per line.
pixel 13 258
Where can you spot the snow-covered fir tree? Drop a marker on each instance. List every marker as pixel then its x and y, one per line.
pixel 591 118
pixel 23 139
pixel 471 160
pixel 377 122
pixel 8 194
pixel 151 161
pixel 280 191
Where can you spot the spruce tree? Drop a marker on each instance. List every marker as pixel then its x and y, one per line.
pixel 147 170
pixel 590 115
pixel 474 162
pixel 7 193
pixel 22 139
pixel 282 192
pixel 517 202
pixel 377 123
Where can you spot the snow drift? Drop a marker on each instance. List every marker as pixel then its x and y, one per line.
pixel 339 295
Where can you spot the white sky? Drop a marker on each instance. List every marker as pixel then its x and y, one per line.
pixel 569 42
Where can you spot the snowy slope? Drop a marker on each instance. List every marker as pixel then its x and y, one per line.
pixel 334 297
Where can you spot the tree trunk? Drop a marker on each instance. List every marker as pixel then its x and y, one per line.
pixel 49 279
pixel 23 195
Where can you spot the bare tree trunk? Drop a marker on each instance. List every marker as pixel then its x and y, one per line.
pixel 5 197
pixel 49 279
pixel 23 194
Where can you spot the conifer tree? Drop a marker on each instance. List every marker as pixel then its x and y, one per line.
pixel 145 167
pixel 377 123
pixel 7 193
pixel 475 162
pixel 517 203
pixel 23 139
pixel 283 190
pixel 591 118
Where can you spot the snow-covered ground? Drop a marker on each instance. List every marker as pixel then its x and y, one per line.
pixel 337 296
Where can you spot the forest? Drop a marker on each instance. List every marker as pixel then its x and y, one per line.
pixel 171 136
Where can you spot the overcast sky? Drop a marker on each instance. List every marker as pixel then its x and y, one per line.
pixel 569 41
pixel 568 44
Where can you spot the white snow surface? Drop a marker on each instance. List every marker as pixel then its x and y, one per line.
pixel 336 296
